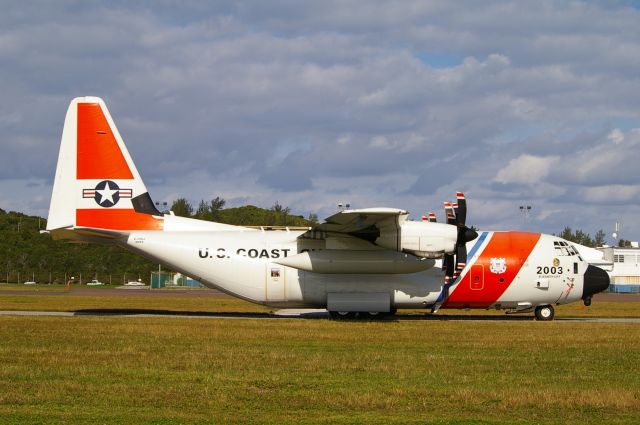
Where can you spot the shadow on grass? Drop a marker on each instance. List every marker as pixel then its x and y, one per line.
pixel 303 315
pixel 171 313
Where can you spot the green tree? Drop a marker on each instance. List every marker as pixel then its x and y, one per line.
pixel 182 207
pixel 578 236
pixel 282 214
pixel 28 253
pixel 216 205
pixel 599 238
pixel 567 234
pixel 210 210
pixel 313 218
pixel 583 238
pixel 204 211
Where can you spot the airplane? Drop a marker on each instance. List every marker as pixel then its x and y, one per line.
pixel 358 263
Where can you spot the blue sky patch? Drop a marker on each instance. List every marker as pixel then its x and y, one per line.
pixel 439 60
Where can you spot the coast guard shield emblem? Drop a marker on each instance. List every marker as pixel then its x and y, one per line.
pixel 498 265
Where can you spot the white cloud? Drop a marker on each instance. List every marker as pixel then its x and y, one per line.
pixel 269 102
pixel 616 136
pixel 611 194
pixel 526 169
pixel 611 160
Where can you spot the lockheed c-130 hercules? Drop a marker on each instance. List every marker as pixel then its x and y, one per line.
pixel 363 262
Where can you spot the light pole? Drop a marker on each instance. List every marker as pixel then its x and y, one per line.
pixel 525 210
pixel 164 206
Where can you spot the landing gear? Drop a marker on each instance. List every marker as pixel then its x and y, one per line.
pixel 587 301
pixel 376 315
pixel 544 313
pixel 362 315
pixel 343 315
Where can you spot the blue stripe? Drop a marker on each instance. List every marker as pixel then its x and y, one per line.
pixel 477 245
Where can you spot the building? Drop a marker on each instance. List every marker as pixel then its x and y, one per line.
pixel 622 264
pixel 624 267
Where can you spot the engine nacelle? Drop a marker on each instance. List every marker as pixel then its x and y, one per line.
pixel 427 239
pixel 424 239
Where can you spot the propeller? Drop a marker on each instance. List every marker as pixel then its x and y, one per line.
pixel 432 217
pixel 453 264
pixel 449 212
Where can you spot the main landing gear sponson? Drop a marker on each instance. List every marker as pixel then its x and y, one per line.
pixel 544 312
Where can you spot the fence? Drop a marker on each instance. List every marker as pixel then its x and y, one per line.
pixel 61 278
pixel 167 279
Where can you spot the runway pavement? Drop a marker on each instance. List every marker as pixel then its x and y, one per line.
pixel 301 314
pixel 280 314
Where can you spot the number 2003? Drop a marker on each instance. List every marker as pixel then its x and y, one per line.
pixel 549 270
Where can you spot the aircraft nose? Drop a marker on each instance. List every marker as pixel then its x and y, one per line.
pixel 595 280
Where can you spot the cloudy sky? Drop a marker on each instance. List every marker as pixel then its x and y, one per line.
pixel 310 104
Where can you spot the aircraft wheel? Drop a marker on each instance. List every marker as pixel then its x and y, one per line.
pixel 587 301
pixel 342 315
pixel 372 315
pixel 379 314
pixel 544 313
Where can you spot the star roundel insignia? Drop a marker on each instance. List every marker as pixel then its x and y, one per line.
pixel 107 193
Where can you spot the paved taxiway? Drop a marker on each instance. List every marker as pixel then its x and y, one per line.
pixel 299 314
pixel 280 314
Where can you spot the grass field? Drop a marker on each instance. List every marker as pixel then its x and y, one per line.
pixel 161 370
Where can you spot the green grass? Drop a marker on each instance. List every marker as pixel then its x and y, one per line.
pixel 137 303
pixel 166 371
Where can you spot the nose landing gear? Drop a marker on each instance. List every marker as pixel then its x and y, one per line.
pixel 544 313
pixel 587 301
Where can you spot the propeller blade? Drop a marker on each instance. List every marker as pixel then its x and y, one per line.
pixel 461 253
pixel 448 266
pixel 448 209
pixel 461 213
pixel 424 218
pixel 465 234
pixel 432 217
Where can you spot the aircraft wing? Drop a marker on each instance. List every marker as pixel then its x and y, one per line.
pixel 354 221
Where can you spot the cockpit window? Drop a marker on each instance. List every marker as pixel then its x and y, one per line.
pixel 564 249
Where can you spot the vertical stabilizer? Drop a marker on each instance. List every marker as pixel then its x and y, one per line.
pixel 97 184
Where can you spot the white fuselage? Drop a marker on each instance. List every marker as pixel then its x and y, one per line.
pixel 244 264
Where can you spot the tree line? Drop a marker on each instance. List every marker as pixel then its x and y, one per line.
pixel 583 238
pixel 26 254
pixel 248 215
